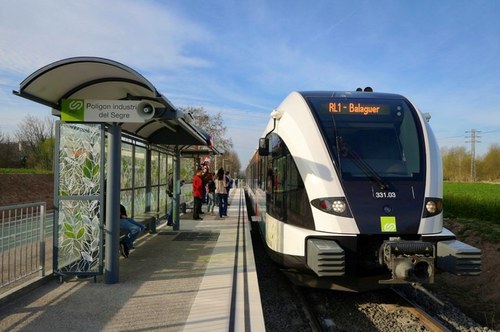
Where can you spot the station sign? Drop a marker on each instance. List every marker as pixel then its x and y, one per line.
pixel 91 110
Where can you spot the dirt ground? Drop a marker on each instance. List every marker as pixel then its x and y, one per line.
pixel 479 296
pixel 26 188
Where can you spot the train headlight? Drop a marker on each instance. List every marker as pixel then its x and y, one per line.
pixel 433 206
pixel 338 206
pixel 333 205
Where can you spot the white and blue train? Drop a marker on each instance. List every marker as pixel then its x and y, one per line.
pixel 347 190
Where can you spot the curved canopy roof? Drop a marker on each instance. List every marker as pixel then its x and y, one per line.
pixel 104 79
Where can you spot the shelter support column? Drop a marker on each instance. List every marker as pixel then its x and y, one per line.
pixel 177 188
pixel 112 230
pixel 149 194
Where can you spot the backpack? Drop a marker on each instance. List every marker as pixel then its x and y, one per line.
pixel 211 186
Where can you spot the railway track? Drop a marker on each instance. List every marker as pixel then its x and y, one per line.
pixel 388 310
pixel 372 311
pixel 432 323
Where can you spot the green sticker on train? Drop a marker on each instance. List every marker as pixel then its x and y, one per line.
pixel 388 224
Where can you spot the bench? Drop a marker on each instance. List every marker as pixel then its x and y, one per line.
pixel 184 206
pixel 148 219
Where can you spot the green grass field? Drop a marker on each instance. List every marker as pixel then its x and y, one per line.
pixel 472 200
pixel 477 205
pixel 24 171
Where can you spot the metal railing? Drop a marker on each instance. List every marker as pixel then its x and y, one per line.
pixel 22 242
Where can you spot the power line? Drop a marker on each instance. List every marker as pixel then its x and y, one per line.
pixel 491 131
pixel 461 136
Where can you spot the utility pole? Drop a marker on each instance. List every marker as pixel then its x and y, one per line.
pixel 474 138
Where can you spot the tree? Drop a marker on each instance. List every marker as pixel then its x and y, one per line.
pixel 487 167
pixel 9 152
pixel 230 161
pixel 213 124
pixel 456 164
pixel 36 137
pixel 3 138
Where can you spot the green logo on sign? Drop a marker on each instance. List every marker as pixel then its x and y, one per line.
pixel 388 224
pixel 73 110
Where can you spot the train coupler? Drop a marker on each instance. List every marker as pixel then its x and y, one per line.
pixel 408 261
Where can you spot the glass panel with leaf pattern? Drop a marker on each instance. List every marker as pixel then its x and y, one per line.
pixel 79 184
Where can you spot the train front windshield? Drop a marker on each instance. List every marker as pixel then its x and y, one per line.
pixel 373 138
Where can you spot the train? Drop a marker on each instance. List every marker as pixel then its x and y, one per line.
pixel 347 190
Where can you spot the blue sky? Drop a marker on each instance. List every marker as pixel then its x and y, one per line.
pixel 242 58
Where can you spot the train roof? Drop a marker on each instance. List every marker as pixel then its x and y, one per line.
pixel 350 94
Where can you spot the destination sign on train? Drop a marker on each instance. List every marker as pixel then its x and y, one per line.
pixel 358 108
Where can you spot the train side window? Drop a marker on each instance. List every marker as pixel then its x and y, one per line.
pixel 279 190
pixel 410 145
pixel 286 197
pixel 263 146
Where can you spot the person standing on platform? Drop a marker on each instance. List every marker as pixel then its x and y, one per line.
pixel 203 176
pixel 229 183
pixel 221 193
pixel 170 193
pixel 211 194
pixel 197 194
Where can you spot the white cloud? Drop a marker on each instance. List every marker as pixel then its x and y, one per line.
pixel 146 36
pixel 143 34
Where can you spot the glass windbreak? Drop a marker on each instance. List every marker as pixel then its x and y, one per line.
pixel 371 138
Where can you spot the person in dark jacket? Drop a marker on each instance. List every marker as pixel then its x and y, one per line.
pixel 211 194
pixel 197 194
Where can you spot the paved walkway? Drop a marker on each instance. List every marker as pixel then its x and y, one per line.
pixel 201 278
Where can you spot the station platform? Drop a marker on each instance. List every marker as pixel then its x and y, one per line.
pixel 199 278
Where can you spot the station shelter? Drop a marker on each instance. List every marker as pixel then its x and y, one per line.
pixel 117 141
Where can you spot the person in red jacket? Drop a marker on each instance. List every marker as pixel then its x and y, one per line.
pixel 197 194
